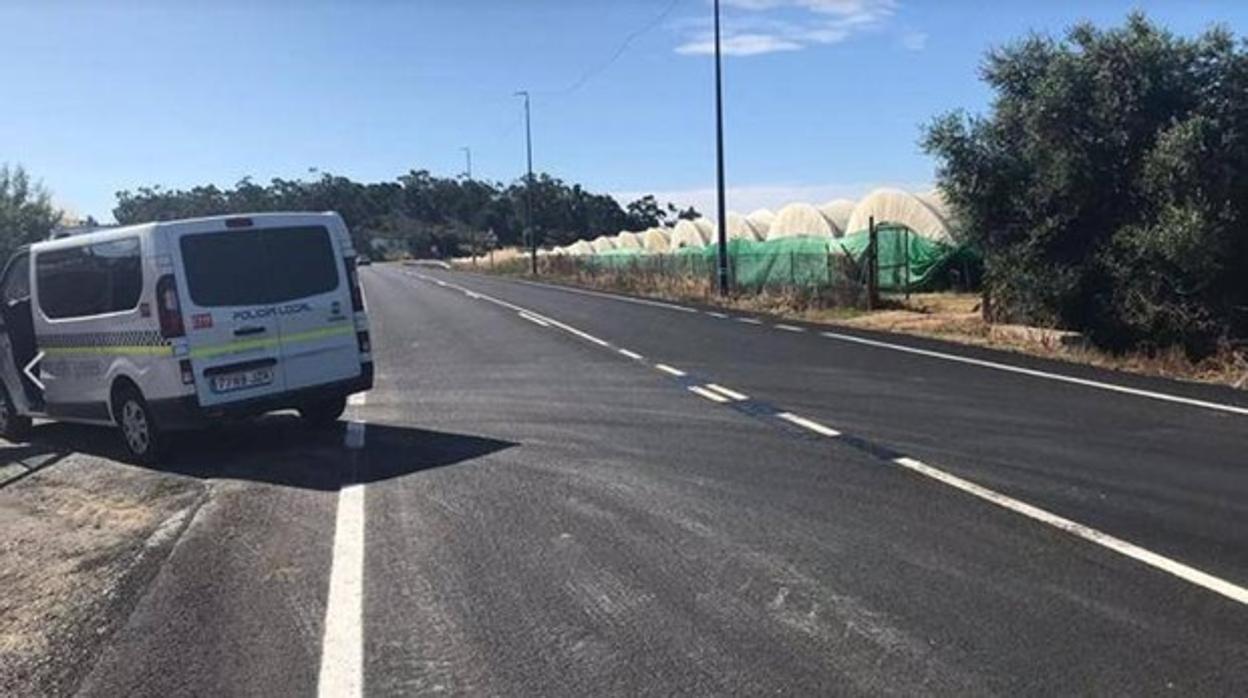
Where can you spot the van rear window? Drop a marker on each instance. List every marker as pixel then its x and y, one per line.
pixel 261 266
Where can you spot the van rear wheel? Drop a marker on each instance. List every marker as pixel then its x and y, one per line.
pixel 323 413
pixel 13 426
pixel 139 433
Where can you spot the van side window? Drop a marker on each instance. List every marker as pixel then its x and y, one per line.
pixel 89 280
pixel 16 284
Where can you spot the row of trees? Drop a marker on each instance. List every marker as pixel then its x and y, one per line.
pixel 425 215
pixel 1107 188
pixel 26 210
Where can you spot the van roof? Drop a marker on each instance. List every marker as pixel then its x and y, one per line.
pixel 265 219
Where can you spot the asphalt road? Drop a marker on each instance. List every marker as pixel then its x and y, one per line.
pixel 540 513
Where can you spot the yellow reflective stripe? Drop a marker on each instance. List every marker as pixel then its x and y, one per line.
pixel 110 351
pixel 250 344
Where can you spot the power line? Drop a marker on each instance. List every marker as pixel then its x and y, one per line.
pixel 619 51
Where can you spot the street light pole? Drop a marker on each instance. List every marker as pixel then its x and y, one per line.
pixel 468 157
pixel 528 187
pixel 719 165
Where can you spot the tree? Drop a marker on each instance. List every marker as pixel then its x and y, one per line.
pixel 1108 187
pixel 26 211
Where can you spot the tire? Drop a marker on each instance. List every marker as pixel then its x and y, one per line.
pixel 142 439
pixel 323 413
pixel 13 426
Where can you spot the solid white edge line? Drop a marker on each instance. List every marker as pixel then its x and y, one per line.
pixel 609 296
pixel 670 370
pixel 808 424
pixel 342 648
pixel 1233 409
pixel 789 328
pixel 631 354
pixel 713 397
pixel 1165 564
pixel 727 392
pixel 534 320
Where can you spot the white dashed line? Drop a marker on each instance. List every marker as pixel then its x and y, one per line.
pixel 534 320
pixel 749 320
pixel 789 328
pixel 713 397
pixel 669 370
pixel 355 436
pixel 721 316
pixel 728 393
pixel 808 424
pixel 1234 409
pixel 356 399
pixel 631 354
pixel 1165 564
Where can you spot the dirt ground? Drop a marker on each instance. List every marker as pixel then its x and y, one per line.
pixel 81 531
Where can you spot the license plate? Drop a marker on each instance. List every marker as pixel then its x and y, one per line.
pixel 243 379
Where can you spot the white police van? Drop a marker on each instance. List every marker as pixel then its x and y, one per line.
pixel 167 326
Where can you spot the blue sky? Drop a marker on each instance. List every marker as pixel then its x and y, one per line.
pixel 823 97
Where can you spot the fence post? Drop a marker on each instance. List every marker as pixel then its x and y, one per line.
pixel 873 265
pixel 907 281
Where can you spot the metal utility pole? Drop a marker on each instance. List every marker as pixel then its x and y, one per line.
pixel 719 165
pixel 528 187
pixel 468 157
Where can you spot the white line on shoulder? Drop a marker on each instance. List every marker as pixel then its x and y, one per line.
pixel 1233 409
pixel 1165 564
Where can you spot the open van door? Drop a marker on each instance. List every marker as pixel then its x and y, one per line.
pixel 17 335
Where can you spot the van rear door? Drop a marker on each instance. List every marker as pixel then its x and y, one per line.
pixel 319 345
pixel 231 321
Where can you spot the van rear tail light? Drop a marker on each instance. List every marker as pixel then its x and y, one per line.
pixel 353 278
pixel 169 308
pixel 188 374
pixel 366 345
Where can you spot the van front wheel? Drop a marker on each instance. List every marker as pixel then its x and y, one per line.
pixel 323 413
pixel 139 433
pixel 13 426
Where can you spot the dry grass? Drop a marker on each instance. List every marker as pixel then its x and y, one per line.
pixel 952 317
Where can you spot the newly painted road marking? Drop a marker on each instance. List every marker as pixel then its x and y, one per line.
pixel 1233 409
pixel 355 436
pixel 534 320
pixel 631 354
pixel 709 395
pixel 1135 552
pixel 609 296
pixel 728 393
pixel 789 328
pixel 1160 562
pixel 808 424
pixel 342 647
pixel 342 650
pixel 749 320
